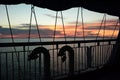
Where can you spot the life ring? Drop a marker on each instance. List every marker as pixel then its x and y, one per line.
pixel 45 52
pixel 36 51
pixel 62 53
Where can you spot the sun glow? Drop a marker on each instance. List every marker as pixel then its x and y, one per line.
pixel 20 23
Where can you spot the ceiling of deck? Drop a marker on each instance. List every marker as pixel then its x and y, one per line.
pixel 110 7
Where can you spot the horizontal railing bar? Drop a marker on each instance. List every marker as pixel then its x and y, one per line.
pixel 52 43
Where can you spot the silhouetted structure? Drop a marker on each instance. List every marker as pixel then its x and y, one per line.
pixel 52 68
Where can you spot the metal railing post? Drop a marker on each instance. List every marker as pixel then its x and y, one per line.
pixel 89 57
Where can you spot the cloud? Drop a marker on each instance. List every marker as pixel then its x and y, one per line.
pixel 25 26
pixel 48 31
pixel 15 31
pixel 22 33
pixel 92 28
pixel 90 33
pixel 98 27
pixel 109 20
pixel 74 22
pixel 52 16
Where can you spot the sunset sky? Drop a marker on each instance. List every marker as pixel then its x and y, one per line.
pixel 20 22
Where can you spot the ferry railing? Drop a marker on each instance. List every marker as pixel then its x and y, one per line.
pixel 15 64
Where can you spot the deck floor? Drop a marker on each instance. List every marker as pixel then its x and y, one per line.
pixel 100 74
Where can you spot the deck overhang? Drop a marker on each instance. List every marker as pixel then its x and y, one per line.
pixel 110 7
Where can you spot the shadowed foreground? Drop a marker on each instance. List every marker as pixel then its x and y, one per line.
pixel 100 74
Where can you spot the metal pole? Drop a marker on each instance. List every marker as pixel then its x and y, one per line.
pixel 118 47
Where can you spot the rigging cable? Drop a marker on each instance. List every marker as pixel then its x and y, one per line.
pixel 97 35
pixel 108 49
pixel 33 10
pixel 104 25
pixel 54 34
pixel 29 32
pixel 33 13
pixel 76 23
pixel 17 57
pixel 115 29
pixel 10 26
pixel 83 26
pixel 64 57
pixel 55 26
pixel 63 26
pixel 104 28
pixel 75 34
pixel 100 27
pixel 29 41
pixel 85 47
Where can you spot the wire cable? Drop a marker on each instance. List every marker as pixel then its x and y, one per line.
pixel 100 27
pixel 10 27
pixel 29 32
pixel 104 28
pixel 33 10
pixel 76 23
pixel 115 28
pixel 63 26
pixel 54 33
pixel 83 26
pixel 108 49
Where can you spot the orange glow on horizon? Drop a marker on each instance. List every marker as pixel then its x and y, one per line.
pixel 69 31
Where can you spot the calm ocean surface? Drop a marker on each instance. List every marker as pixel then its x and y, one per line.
pixel 42 39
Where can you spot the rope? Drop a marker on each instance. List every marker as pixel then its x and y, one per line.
pixel 30 27
pixel 104 28
pixel 76 23
pixel 29 39
pixel 54 36
pixel 108 49
pixel 115 28
pixel 100 27
pixel 33 14
pixel 12 38
pixel 83 25
pixel 85 49
pixel 33 10
pixel 63 26
pixel 63 58
pixel 10 25
pixel 55 26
